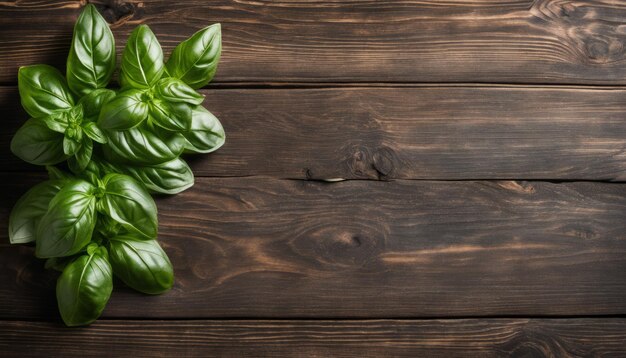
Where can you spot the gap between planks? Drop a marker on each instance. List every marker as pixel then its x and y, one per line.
pixel 329 181
pixel 356 85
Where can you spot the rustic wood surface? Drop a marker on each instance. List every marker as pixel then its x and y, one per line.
pixel 410 133
pixel 341 339
pixel 493 137
pixel 261 247
pixel 514 41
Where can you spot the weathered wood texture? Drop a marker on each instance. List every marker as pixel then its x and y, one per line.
pixel 342 339
pixel 521 41
pixel 258 247
pixel 423 133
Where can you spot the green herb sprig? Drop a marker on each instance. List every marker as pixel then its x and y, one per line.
pixel 105 151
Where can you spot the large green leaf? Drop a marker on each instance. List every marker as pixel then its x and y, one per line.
pixel 91 61
pixel 29 209
pixel 142 145
pixel 206 134
pixel 127 110
pixel 43 90
pixel 35 143
pixel 126 201
pixel 194 60
pixel 69 222
pixel 84 287
pixel 171 177
pixel 142 60
pixel 141 264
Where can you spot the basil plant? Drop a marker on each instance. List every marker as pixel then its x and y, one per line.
pixel 105 151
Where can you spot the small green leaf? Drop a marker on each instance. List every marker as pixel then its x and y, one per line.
pixel 68 224
pixel 108 227
pixel 57 263
pixel 29 209
pixel 91 60
pixel 84 288
pixel 171 116
pixel 56 121
pixel 126 201
pixel 127 110
pixel 35 143
pixel 141 264
pixel 43 90
pixel 90 173
pixel 142 60
pixel 56 173
pixel 194 61
pixel 83 154
pixel 174 90
pixel 92 131
pixel 93 102
pixel 206 134
pixel 70 145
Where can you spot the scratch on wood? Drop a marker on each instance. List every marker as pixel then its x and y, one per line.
pixel 417 256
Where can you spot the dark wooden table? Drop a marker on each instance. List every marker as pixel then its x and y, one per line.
pixel 401 178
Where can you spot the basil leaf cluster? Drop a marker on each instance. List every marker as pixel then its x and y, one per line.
pixel 105 151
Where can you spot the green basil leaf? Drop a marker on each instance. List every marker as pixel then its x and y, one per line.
pixel 56 173
pixel 83 154
pixel 93 102
pixel 68 224
pixel 142 60
pixel 127 110
pixel 56 121
pixel 141 264
pixel 58 263
pixel 90 173
pixel 70 145
pixel 84 288
pixel 92 131
pixel 35 143
pixel 108 227
pixel 43 90
pixel 194 61
pixel 174 90
pixel 91 61
pixel 126 201
pixel 206 134
pixel 142 146
pixel 170 177
pixel 29 209
pixel 170 116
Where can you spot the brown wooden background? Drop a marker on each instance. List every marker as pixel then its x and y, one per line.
pixel 400 178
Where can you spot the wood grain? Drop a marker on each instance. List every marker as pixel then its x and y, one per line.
pixel 408 133
pixel 260 247
pixel 516 41
pixel 341 339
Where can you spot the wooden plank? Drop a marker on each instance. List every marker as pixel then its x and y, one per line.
pixel 346 339
pixel 517 41
pixel 408 133
pixel 260 247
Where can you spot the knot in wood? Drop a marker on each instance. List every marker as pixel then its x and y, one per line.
pixel 359 161
pixel 589 35
pixel 342 241
pixel 117 12
pixel 384 162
